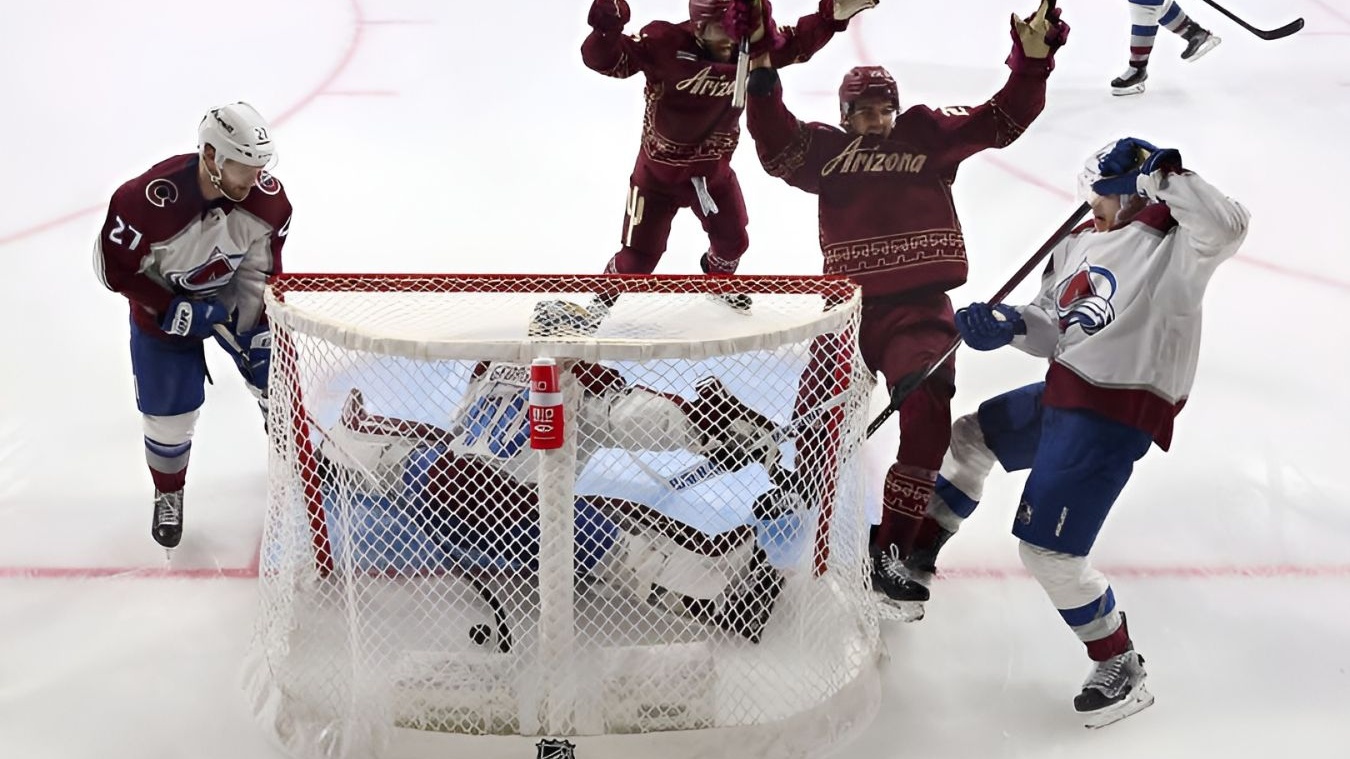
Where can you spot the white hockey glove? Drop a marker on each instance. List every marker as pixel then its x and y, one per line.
pixel 844 10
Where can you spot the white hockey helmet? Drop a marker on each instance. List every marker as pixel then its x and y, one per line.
pixel 238 132
pixel 1092 172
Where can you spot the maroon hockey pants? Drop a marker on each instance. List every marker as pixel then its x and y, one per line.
pixel 899 336
pixel 650 210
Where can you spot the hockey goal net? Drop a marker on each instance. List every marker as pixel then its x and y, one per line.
pixel 505 515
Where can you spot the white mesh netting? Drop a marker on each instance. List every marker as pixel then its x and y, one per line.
pixel 687 569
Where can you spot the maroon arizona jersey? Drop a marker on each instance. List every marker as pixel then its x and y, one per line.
pixel 162 240
pixel 887 219
pixel 689 128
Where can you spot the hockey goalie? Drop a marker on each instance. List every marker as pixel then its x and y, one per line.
pixel 472 489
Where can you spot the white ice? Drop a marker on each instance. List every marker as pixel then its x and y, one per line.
pixel 437 136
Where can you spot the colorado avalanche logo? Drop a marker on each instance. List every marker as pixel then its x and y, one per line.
pixel 268 184
pixel 1085 299
pixel 210 276
pixel 161 192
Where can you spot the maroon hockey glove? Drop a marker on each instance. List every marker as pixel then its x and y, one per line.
pixel 1036 39
pixel 753 20
pixel 608 16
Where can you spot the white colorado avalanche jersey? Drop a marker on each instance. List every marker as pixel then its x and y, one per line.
pixel 1120 310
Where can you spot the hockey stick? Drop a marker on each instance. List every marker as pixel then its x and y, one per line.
pixel 909 383
pixel 1273 34
pixel 742 74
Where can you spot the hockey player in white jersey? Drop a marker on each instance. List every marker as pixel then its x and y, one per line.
pixel 1119 318
pixel 473 487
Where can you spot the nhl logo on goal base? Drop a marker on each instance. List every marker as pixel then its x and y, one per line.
pixel 551 748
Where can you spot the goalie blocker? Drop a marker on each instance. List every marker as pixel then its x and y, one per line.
pixel 472 489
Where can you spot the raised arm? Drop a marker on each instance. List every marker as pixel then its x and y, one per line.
pixel 1216 223
pixel 611 52
pixel 781 141
pixel 814 30
pixel 966 130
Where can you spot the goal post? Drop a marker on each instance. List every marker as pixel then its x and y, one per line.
pixel 488 528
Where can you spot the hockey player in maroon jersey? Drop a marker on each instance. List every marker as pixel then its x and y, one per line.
pixel 887 220
pixel 190 243
pixel 689 127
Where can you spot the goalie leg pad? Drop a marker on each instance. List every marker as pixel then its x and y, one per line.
pixel 372 454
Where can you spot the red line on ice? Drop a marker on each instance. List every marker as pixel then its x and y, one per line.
pixel 358 25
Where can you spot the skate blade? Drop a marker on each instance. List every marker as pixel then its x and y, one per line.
pixel 1209 45
pixel 723 301
pixel 1133 89
pixel 1140 701
pixel 899 611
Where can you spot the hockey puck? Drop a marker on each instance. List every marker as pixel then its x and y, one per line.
pixel 480 634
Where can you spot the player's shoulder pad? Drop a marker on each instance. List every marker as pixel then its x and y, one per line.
pixel 159 191
pixel 1156 216
pixel 268 201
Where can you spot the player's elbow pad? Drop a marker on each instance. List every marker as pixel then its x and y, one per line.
pixel 760 82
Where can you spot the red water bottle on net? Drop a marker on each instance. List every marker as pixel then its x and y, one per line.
pixel 546 407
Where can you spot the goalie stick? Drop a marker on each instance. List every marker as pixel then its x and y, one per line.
pixel 1272 34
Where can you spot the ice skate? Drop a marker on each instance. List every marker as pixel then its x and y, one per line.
pixel 1131 82
pixel 901 591
pixel 1113 690
pixel 561 318
pixel 739 302
pixel 167 526
pixel 1198 42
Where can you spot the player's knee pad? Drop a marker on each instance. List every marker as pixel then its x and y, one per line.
pixel 168 441
pixel 170 430
pixel 1070 581
pixel 1147 12
pixel 969 459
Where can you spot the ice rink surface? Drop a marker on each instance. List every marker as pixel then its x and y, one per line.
pixel 439 136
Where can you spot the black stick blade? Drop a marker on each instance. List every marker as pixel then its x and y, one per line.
pixel 1284 31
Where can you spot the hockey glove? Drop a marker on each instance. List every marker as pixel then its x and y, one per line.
pixel 753 20
pixel 1037 38
pixel 608 16
pixel 256 361
pixel 192 318
pixel 843 10
pixel 983 330
pixel 1130 157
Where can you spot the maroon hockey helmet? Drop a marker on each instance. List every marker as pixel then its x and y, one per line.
pixel 866 81
pixel 708 11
